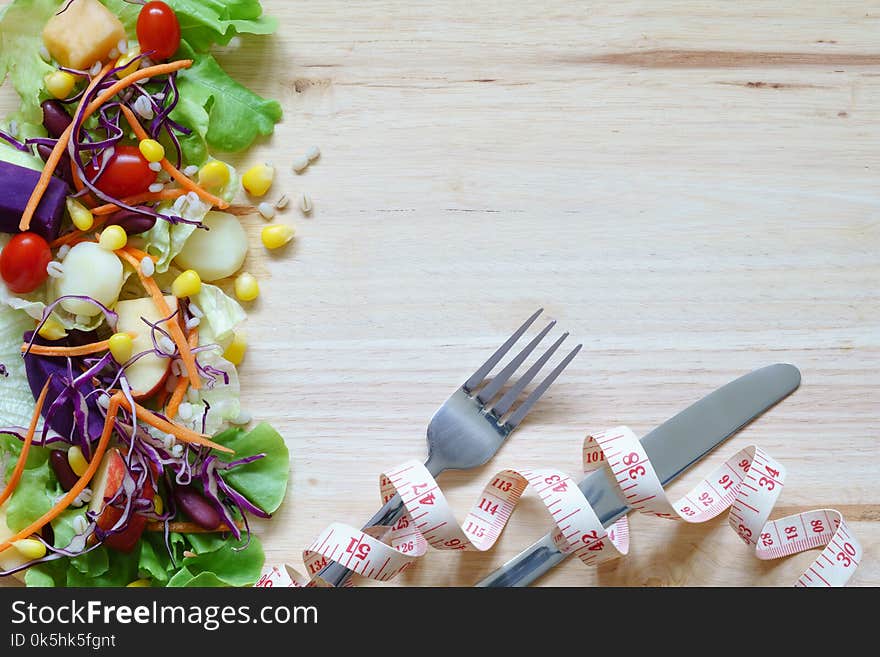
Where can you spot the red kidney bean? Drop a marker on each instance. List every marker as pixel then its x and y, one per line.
pixel 48 533
pixel 66 476
pixel 55 117
pixel 194 505
pixel 132 223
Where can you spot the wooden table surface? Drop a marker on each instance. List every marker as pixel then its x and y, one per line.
pixel 690 188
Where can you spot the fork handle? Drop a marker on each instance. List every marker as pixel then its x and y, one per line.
pixel 335 574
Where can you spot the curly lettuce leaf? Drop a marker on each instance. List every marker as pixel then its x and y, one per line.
pixel 204 23
pixel 223 566
pixel 21 36
pixel 263 482
pixel 219 110
pixel 35 494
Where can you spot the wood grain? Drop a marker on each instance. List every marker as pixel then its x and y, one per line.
pixel 689 187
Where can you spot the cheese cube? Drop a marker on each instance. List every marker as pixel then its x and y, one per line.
pixel 82 34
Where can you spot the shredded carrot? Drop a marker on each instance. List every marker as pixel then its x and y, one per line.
pixel 182 382
pixel 26 446
pixel 173 327
pixel 100 213
pixel 184 182
pixel 80 350
pixel 140 255
pixel 187 527
pixel 64 139
pixel 73 237
pixel 81 483
pixel 137 199
pixel 182 434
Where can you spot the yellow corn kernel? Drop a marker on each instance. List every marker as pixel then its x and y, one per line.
pixel 80 215
pixel 158 505
pixel 138 583
pixel 121 347
pixel 113 238
pixel 126 59
pixel 214 175
pixel 59 83
pixel 30 548
pixel 77 461
pixel 187 284
pixel 276 235
pixel 246 287
pixel 235 351
pixel 258 179
pixel 152 150
pixel 52 329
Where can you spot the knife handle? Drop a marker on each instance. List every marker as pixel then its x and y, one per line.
pixel 527 566
pixel 540 557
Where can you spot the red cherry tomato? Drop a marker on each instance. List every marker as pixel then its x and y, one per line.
pixel 23 262
pixel 158 30
pixel 127 173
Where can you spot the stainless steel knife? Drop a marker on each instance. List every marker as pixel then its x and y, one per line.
pixel 672 447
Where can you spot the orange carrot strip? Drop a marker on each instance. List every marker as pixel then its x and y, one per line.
pixel 75 236
pixel 182 434
pixel 80 350
pixel 187 527
pixel 184 182
pixel 140 255
pixel 26 446
pixel 64 139
pixel 100 213
pixel 182 382
pixel 173 327
pixel 146 197
pixel 81 483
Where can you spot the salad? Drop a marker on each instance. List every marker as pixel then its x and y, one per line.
pixel 124 454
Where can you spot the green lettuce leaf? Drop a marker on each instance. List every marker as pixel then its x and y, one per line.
pixel 122 569
pixel 16 400
pixel 15 156
pixel 38 487
pixel 34 496
pixel 264 481
pixel 47 575
pixel 204 23
pixel 223 315
pixel 21 37
pixel 235 115
pixel 224 566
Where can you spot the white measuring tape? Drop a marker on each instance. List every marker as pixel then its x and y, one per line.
pixel 748 483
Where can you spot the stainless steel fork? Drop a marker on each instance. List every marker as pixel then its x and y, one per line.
pixel 474 422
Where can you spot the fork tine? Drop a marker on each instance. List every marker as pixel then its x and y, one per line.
pixel 523 409
pixel 478 376
pixel 510 396
pixel 504 375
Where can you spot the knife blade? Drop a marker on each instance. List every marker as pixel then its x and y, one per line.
pixel 672 447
